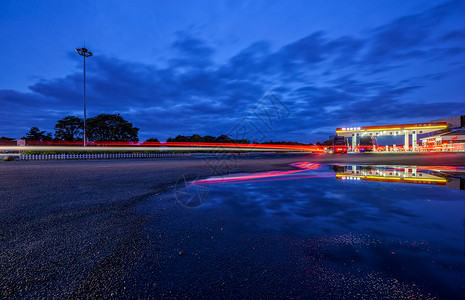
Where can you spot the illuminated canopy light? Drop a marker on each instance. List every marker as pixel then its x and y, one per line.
pixel 375 129
pixel 427 127
pixel 406 127
pixel 349 129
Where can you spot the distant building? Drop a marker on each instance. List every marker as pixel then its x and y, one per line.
pixel 453 122
pixel 451 137
pixel 454 139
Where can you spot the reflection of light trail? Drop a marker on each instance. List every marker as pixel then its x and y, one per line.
pixel 319 175
pixel 268 176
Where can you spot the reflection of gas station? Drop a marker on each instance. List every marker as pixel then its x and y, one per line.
pixel 402 174
pixel 356 133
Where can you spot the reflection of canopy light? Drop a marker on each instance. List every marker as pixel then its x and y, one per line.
pixel 383 177
pixel 390 178
pixel 426 179
pixel 351 178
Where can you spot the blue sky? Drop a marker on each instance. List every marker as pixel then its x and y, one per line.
pixel 186 67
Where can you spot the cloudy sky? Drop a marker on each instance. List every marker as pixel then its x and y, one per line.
pixel 278 70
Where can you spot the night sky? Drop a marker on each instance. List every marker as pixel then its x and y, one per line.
pixel 187 67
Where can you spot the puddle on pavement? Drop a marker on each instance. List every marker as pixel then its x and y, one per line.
pixel 392 230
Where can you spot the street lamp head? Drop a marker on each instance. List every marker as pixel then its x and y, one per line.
pixel 84 52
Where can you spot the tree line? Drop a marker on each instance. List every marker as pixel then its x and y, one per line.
pixel 113 127
pixel 104 127
pixel 196 138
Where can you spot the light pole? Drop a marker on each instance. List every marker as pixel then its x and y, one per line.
pixel 84 53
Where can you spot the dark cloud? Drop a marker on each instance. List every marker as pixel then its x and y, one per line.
pixel 192 47
pixel 192 52
pixel 405 36
pixel 250 63
pixel 455 35
pixel 323 82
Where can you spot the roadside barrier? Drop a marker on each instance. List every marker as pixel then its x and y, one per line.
pixel 99 156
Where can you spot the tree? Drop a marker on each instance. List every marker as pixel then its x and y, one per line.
pixel 152 139
pixel 152 142
pixel 7 141
pixel 180 138
pixel 325 143
pixel 106 127
pixel 35 134
pixel 209 139
pixel 282 143
pixel 196 138
pixel 69 129
pixel 224 139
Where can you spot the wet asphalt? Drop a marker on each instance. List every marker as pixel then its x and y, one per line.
pixel 81 229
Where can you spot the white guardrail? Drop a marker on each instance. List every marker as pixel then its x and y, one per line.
pixel 99 156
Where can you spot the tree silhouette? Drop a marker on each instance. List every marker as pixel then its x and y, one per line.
pixel 35 134
pixel 106 127
pixel 196 138
pixel 152 139
pixel 69 129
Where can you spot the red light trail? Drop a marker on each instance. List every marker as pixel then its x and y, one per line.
pixel 267 176
pixel 157 146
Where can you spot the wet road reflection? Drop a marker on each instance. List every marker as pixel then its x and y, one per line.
pixel 399 228
pixel 451 177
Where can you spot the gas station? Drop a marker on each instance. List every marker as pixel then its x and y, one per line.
pixel 406 130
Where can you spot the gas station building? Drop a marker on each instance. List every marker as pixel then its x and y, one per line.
pixel 453 127
pixel 355 133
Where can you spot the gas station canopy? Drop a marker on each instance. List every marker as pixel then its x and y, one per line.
pixel 420 128
pixel 402 129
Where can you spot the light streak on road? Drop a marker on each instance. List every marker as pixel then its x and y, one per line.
pixel 266 176
pixel 159 149
pixel 157 146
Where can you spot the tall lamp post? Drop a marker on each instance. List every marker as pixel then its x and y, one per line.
pixel 84 53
